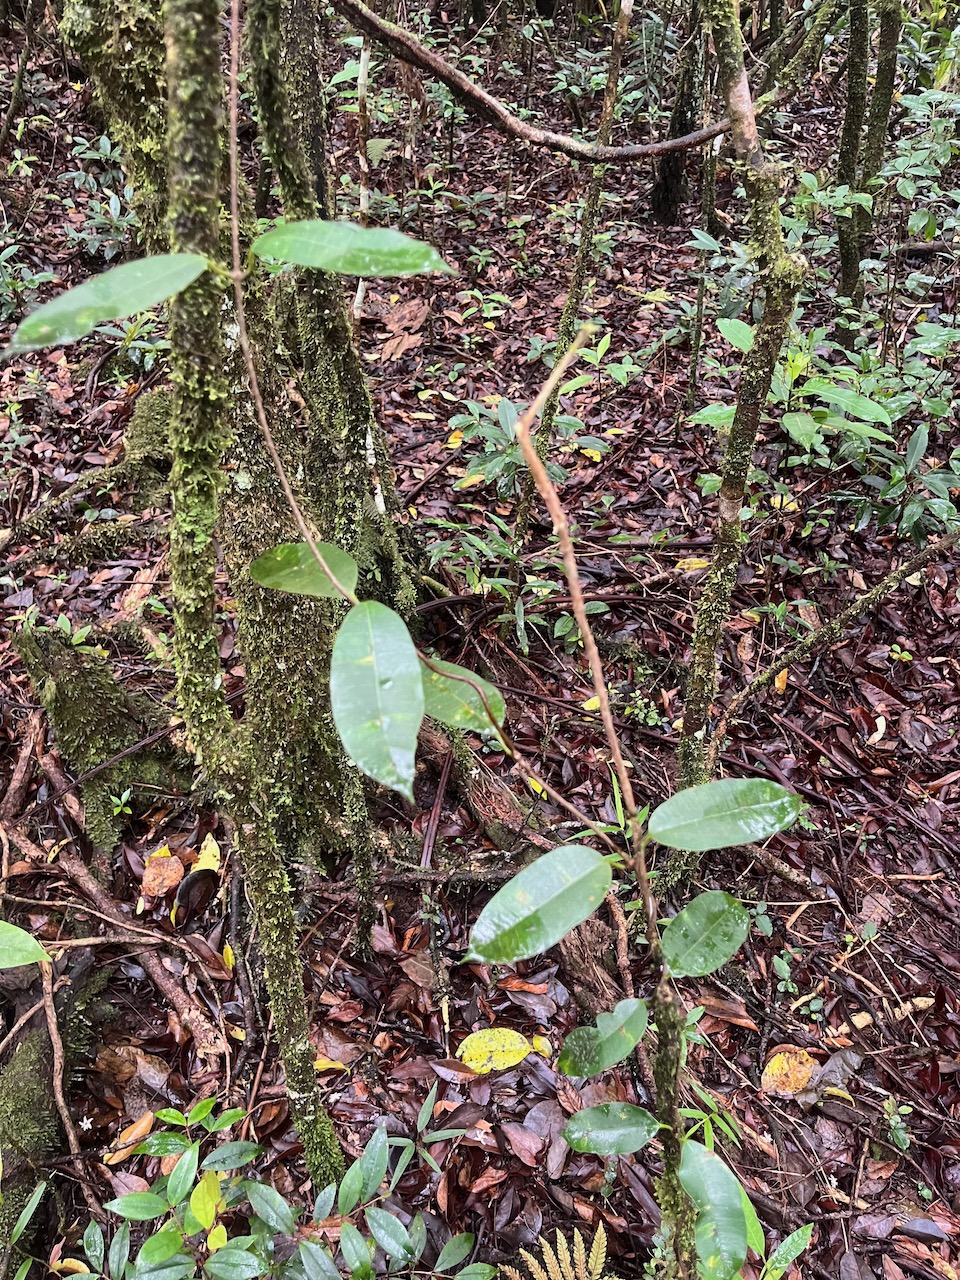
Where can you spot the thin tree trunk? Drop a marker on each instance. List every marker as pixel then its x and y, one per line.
pixel 875 141
pixel 858 57
pixel 670 188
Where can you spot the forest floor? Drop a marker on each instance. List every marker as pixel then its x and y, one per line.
pixel 856 963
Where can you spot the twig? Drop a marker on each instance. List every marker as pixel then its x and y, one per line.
pixel 824 635
pixel 408 49
pixel 433 823
pixel 59 1066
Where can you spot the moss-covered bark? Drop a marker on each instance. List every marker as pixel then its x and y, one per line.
pixel 858 56
pixel 781 276
pixel 108 35
pixel 670 189
pixel 29 1129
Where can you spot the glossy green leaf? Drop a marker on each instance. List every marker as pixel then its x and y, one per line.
pixel 119 1251
pixel 17 947
pixel 376 692
pixel 270 1207
pixel 851 402
pixel 456 703
pixel 704 935
pixel 755 1240
pixel 736 332
pixel 162 1144
pixel 590 1050
pixel 390 1233
pixel 802 428
pixel 138 1206
pixel 349 249
pixel 373 1162
pixel 787 1252
pixel 454 1251
pixel 729 812
pixel 160 1246
pixel 293 567
pixel 477 1271
pixel 182 1176
pixel 179 1267
pixel 355 1252
pixel 233 1264
pixel 122 291
pixel 350 1189
pixel 714 415
pixel 317 1263
pixel 540 905
pixel 721 1231
pixel 611 1129
pixel 232 1155
pixel 93 1245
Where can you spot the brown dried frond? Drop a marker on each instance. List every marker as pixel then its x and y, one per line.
pixel 598 1253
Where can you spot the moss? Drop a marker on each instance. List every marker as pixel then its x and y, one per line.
pixel 93 720
pixel 28 1126
pixel 678 1213
pixel 108 35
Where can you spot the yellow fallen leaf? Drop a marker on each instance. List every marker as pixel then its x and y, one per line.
pixel 542 1046
pixel 208 859
pixel 591 704
pixel 455 439
pixel 468 482
pixel 593 454
pixel 690 564
pixel 70 1267
pixel 788 1072
pixel 229 959
pixel 536 787
pixel 495 1049
pixel 320 1063
pixel 783 502
pixel 780 683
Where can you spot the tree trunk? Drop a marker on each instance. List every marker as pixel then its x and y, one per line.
pixel 858 55
pixel 670 189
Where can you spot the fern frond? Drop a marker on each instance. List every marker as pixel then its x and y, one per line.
pixel 563 1253
pixel 579 1256
pixel 536 1270
pixel 550 1258
pixel 598 1253
pixel 510 1273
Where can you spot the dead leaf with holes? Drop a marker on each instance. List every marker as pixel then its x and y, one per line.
pixel 788 1071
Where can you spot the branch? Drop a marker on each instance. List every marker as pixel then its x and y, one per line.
pixel 408 49
pixel 830 631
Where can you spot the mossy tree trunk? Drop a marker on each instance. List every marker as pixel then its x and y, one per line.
pixel 858 56
pixel 781 276
pixel 670 189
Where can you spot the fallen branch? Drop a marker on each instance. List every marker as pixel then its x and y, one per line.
pixel 825 635
pixel 408 49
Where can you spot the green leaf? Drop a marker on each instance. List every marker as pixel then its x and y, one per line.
pixel 138 1206
pixel 324 1202
pixel 477 1271
pixel 293 567
pixel 787 1252
pixel 183 1175
pixel 540 905
pixel 456 703
pixel 354 1250
pixel 736 332
pixel 755 1240
pixel 803 429
pixel 917 447
pixel 162 1144
pixel 24 1269
pixel 351 1189
pixel 233 1115
pixel 93 1245
pixel 376 692
pixel 704 935
pixel 201 1110
pixel 860 429
pixel 179 1267
pixel 851 402
pixel 119 1251
pixel 317 1263
pixel 373 1162
pixel 729 812
pixel 454 1251
pixel 270 1207
pixel 29 1209
pixel 590 1050
pixel 611 1129
pixel 160 1246
pixel 232 1155
pixel 170 1115
pixel 714 415
pixel 721 1231
pixel 349 249
pixel 113 295
pixel 233 1264
pixel 17 947
pixel 390 1234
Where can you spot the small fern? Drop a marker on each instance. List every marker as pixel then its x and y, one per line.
pixel 557 1264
